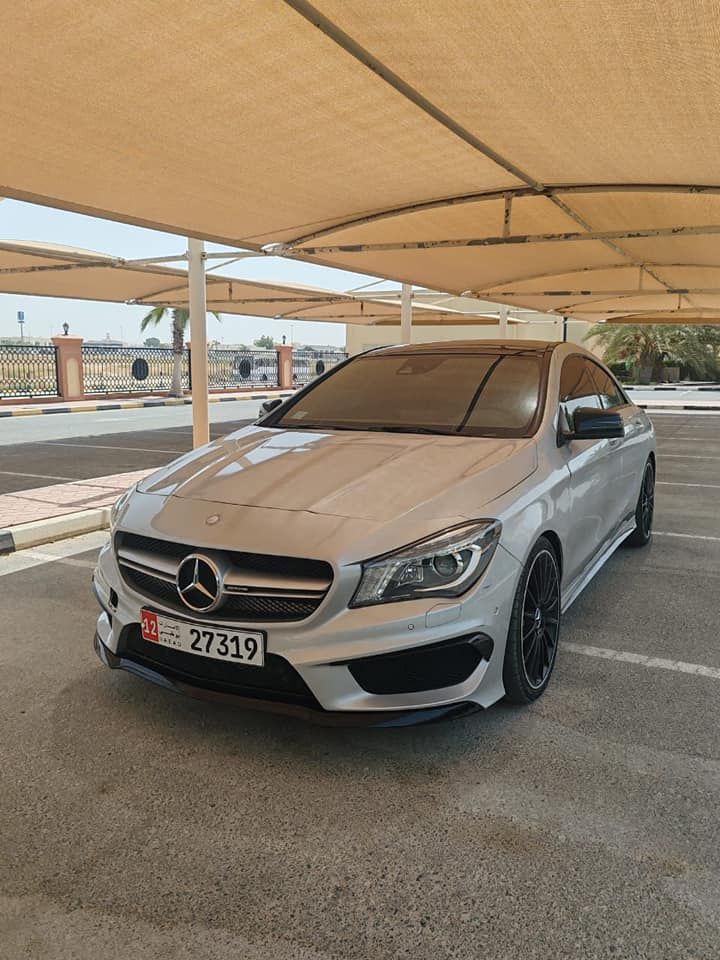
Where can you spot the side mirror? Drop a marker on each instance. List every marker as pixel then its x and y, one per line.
pixel 590 423
pixel 269 405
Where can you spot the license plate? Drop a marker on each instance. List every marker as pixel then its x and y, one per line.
pixel 236 646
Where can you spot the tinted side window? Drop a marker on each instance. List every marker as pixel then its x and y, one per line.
pixel 610 393
pixel 577 387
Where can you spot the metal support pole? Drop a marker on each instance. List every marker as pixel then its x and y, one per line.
pixel 565 329
pixel 198 341
pixel 406 313
pixel 502 317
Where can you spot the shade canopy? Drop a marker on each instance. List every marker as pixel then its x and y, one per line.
pixel 562 159
pixel 57 271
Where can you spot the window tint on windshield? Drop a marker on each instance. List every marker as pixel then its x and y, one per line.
pixel 577 387
pixel 610 393
pixel 473 394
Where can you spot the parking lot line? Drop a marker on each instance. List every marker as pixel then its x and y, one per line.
pixel 36 476
pixel 675 439
pixel 684 456
pixel 623 656
pixel 675 483
pixel 100 446
pixel 60 551
pixel 685 536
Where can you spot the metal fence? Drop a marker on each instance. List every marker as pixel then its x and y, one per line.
pixel 28 371
pixel 242 368
pixel 131 369
pixel 308 364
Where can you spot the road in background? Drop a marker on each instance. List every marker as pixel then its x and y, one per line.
pixel 45 450
pixel 60 426
pixel 674 394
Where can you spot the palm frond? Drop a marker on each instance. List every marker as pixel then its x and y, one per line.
pixel 153 318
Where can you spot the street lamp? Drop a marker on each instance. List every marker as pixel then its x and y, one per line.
pixel 66 328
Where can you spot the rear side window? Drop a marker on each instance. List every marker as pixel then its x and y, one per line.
pixel 577 387
pixel 610 393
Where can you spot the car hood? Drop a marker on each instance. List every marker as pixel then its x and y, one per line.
pixel 361 475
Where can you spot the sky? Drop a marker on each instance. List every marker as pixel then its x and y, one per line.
pixel 44 316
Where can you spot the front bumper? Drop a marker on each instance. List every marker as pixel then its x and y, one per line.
pixel 349 665
pixel 336 718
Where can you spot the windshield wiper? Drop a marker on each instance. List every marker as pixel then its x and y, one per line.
pixel 394 429
pixel 374 428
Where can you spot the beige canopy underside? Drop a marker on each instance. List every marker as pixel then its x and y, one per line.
pixel 561 156
pixel 56 271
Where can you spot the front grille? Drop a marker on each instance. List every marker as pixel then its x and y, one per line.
pixel 265 562
pixel 277 680
pixel 283 589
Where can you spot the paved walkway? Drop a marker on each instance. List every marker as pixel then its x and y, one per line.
pixel 62 499
pixel 88 406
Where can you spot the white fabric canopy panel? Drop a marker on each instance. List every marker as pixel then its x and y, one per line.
pixel 46 270
pixel 565 162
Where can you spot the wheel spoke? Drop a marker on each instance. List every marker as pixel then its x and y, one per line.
pixel 647 500
pixel 538 662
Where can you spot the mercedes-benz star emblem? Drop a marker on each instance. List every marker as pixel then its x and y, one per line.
pixel 199 583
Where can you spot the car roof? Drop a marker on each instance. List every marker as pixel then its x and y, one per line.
pixel 468 347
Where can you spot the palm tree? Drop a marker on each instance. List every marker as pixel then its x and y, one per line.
pixel 180 318
pixel 648 346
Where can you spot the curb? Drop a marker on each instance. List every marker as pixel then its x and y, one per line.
pixel 137 404
pixel 684 389
pixel 658 405
pixel 37 532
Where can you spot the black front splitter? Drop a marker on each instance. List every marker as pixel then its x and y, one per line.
pixel 333 718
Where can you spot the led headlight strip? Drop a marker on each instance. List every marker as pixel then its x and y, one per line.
pixel 444 565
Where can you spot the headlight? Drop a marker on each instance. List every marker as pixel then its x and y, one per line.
pixel 119 505
pixel 445 565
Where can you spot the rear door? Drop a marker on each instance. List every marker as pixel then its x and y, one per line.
pixel 594 469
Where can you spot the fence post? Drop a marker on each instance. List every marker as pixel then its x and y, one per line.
pixel 69 367
pixel 285 365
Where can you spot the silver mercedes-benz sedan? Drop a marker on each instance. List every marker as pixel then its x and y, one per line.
pixel 396 541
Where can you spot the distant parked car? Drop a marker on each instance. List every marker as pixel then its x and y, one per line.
pixel 396 541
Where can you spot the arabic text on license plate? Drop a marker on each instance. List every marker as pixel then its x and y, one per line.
pixel 236 646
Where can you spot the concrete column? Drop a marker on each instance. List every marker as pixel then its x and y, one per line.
pixel 198 336
pixel 406 313
pixel 70 367
pixel 285 365
pixel 502 322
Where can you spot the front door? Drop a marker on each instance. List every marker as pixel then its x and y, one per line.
pixel 633 447
pixel 594 467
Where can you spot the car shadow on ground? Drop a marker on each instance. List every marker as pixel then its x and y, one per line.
pixel 158 719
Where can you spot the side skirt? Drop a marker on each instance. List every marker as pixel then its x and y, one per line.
pixel 580 582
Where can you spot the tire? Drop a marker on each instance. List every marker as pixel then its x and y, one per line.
pixel 534 631
pixel 645 509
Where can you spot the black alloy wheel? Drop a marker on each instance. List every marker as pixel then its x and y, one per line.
pixel 534 627
pixel 645 509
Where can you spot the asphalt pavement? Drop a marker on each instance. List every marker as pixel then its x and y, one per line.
pixel 135 822
pixel 40 451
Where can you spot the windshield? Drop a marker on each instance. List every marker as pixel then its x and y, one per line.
pixel 479 395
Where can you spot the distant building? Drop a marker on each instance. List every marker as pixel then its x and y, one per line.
pixel 105 342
